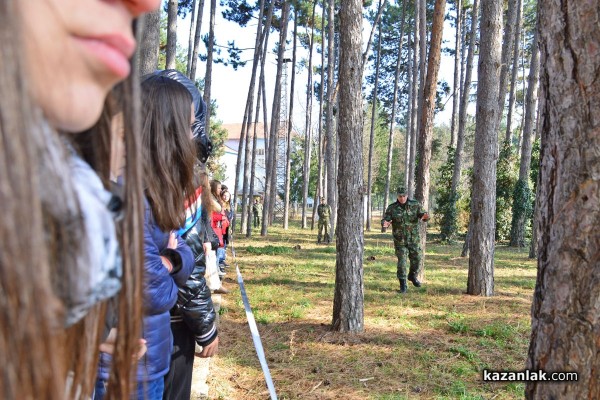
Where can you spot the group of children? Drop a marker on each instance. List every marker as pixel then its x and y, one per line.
pixel 108 216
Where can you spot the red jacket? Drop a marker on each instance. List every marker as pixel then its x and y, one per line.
pixel 219 223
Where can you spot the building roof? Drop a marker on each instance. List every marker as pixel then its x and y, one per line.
pixel 234 130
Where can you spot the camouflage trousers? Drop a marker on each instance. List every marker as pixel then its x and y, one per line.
pixel 323 228
pixel 256 220
pixel 413 251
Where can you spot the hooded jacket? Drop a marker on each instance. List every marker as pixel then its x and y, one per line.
pixel 194 304
pixel 160 295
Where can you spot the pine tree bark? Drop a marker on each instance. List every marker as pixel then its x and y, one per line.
pixel 193 13
pixel 348 313
pixel 426 126
pixel 320 168
pixel 517 235
pixel 209 62
pixel 409 113
pixel 194 63
pixel 243 148
pixel 483 201
pixel 251 192
pixel 329 123
pixel 149 43
pixel 388 175
pixel 456 85
pixel 565 313
pixel 372 130
pixel 462 118
pixel 507 46
pixel 271 178
pixel 515 69
pixel 288 165
pixel 414 99
pixel 172 35
pixel 308 123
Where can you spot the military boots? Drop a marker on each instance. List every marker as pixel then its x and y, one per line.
pixel 414 280
pixel 403 287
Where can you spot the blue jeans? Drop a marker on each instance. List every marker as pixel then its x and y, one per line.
pixel 220 254
pixel 151 390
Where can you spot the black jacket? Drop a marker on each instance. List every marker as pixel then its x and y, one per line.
pixel 194 304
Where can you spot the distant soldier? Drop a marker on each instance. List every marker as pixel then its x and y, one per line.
pixel 324 212
pixel 404 216
pixel 257 209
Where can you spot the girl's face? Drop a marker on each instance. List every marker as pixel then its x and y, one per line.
pixel 225 196
pixel 76 51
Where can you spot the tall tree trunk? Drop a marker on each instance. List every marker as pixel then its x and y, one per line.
pixel 414 99
pixel 193 13
pixel 372 131
pixel 514 71
pixel 426 130
pixel 390 152
pixel 565 314
pixel 349 291
pixel 259 56
pixel 456 85
pixel 507 46
pixel 194 63
pixel 519 217
pixel 308 123
pixel 409 112
pixel 422 17
pixel 172 34
pixel 149 43
pixel 483 201
pixel 270 191
pixel 376 23
pixel 209 62
pixel 288 165
pixel 329 128
pixel 462 120
pixel 253 161
pixel 320 186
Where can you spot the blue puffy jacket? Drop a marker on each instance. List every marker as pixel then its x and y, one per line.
pixel 160 295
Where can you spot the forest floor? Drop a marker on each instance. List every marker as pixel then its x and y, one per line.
pixel 431 343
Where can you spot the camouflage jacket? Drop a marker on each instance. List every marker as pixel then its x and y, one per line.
pixel 257 208
pixel 405 219
pixel 324 211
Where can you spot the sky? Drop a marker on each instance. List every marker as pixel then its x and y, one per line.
pixel 230 88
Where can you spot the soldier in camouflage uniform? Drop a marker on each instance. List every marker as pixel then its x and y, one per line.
pixel 404 216
pixel 324 212
pixel 257 209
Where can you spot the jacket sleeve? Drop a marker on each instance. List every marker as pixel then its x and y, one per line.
pixel 187 262
pixel 224 222
pixel 388 214
pixel 160 291
pixel 194 299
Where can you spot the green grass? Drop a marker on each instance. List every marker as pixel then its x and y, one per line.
pixel 430 343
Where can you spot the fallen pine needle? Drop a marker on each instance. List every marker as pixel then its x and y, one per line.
pixel 366 379
pixel 315 387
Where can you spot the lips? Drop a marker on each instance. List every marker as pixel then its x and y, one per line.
pixel 113 51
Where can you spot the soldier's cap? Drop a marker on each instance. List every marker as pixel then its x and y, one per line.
pixel 401 190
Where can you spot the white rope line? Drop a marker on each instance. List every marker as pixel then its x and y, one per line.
pixel 260 352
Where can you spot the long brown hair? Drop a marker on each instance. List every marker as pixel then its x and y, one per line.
pixel 168 150
pixel 42 240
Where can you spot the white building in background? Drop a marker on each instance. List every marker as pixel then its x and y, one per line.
pixel 229 159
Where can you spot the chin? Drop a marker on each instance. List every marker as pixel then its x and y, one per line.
pixel 82 112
